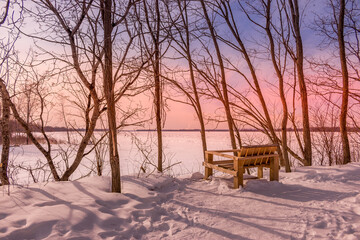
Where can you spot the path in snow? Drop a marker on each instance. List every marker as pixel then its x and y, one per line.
pixel 310 203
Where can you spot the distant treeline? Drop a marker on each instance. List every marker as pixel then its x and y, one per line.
pixel 314 129
pixel 16 127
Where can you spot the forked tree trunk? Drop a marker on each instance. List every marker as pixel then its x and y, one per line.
pixel 345 81
pixel 90 86
pixel 5 135
pixel 27 129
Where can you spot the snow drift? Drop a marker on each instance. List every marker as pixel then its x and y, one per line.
pixel 310 203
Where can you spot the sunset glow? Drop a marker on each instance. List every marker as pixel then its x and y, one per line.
pixel 205 119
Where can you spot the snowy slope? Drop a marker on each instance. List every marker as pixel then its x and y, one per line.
pixel 310 203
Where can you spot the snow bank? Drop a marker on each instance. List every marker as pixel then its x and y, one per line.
pixel 310 203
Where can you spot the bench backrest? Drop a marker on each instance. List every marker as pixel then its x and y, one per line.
pixel 264 153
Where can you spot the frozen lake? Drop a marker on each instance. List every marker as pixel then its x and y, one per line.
pixel 183 151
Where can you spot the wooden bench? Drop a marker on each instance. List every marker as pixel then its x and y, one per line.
pixel 247 157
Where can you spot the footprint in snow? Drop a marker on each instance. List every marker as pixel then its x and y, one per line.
pixel 321 224
pixel 356 210
pixel 19 224
pixel 112 204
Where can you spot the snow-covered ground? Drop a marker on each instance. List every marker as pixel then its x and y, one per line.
pixel 309 203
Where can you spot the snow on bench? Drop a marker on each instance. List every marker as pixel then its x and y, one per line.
pixel 259 156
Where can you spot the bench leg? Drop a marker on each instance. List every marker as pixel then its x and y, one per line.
pixel 239 178
pixel 274 169
pixel 260 172
pixel 208 171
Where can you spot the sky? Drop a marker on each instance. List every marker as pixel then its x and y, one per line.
pixel 179 116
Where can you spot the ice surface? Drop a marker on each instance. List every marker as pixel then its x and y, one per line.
pixel 183 151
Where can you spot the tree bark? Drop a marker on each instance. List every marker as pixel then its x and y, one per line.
pixel 157 83
pixel 154 31
pixel 285 159
pixel 4 16
pixel 110 98
pixel 5 135
pixel 223 77
pixel 158 100
pixel 345 88
pixel 294 7
pixel 28 99
pixel 193 82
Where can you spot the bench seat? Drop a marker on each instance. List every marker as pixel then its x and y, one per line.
pixel 238 160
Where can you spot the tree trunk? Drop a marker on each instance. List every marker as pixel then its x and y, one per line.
pixel 155 57
pixel 158 99
pixel 198 106
pixel 110 98
pixel 302 85
pixel 158 106
pixel 154 31
pixel 223 77
pixel 5 135
pixel 192 76
pixel 345 89
pixel 28 95
pixel 285 159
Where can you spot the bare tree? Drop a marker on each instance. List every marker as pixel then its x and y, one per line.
pixel 280 75
pixel 298 58
pixel 90 36
pixel 5 137
pixel 106 6
pixel 69 38
pixel 326 140
pixel 6 49
pixel 152 33
pixel 28 130
pixel 226 103
pixel 109 90
pixel 182 36
pixel 345 83
pixel 263 12
pixel 340 31
pixel 262 117
pixel 155 34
